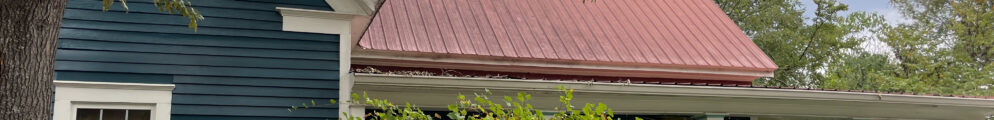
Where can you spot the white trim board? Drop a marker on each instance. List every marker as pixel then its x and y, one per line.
pixel 329 22
pixel 645 98
pixel 317 21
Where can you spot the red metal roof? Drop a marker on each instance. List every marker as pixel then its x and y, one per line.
pixel 692 33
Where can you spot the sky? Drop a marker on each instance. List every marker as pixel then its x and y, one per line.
pixel 881 7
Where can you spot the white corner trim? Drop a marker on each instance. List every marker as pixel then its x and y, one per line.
pixel 330 22
pixel 650 89
pixel 114 85
pixel 297 12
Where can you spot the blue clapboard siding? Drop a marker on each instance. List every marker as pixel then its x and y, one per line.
pixel 249 111
pixel 196 50
pixel 180 59
pixel 255 91
pixel 248 4
pixel 282 102
pixel 209 12
pixel 97 15
pixel 155 27
pixel 191 70
pixel 114 77
pixel 197 40
pixel 270 82
pixel 239 64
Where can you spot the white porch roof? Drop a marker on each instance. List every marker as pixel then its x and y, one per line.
pixel 437 92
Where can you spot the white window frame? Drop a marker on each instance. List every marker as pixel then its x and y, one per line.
pixel 72 95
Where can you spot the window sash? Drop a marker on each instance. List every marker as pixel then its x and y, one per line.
pixel 125 106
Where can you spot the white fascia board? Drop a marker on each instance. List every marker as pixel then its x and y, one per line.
pixel 114 85
pixel 650 89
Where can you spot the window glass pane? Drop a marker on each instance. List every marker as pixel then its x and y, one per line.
pixel 113 114
pixel 87 114
pixel 139 114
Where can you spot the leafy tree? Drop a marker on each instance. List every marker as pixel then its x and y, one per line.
pixel 799 48
pixel 181 7
pixel 861 71
pixel 946 50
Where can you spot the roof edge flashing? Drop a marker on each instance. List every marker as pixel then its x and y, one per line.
pixel 368 57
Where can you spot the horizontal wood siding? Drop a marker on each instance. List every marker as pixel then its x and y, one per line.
pixel 239 64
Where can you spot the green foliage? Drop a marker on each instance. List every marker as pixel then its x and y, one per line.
pixel 480 107
pixel 947 49
pixel 800 49
pixel 181 7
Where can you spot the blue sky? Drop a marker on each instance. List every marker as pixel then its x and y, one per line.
pixel 881 7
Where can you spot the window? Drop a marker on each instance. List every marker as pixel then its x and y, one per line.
pixel 112 111
pixel 113 114
pixel 77 100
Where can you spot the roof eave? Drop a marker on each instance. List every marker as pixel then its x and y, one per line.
pixel 567 67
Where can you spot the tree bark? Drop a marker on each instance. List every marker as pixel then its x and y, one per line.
pixel 28 33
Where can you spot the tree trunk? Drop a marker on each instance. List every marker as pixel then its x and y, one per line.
pixel 28 33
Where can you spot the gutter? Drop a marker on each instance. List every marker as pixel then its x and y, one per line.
pixel 655 89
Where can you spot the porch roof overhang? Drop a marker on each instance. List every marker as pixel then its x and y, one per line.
pixel 434 91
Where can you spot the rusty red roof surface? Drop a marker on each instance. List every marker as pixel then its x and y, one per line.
pixel 692 33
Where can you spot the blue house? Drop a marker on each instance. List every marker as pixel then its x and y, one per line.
pixel 247 61
pixel 253 59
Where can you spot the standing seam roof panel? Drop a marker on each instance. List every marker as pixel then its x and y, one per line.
pixel 665 41
pixel 580 32
pixel 521 27
pixel 712 40
pixel 640 40
pixel 688 25
pixel 738 54
pixel 697 54
pixel 603 28
pixel 647 37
